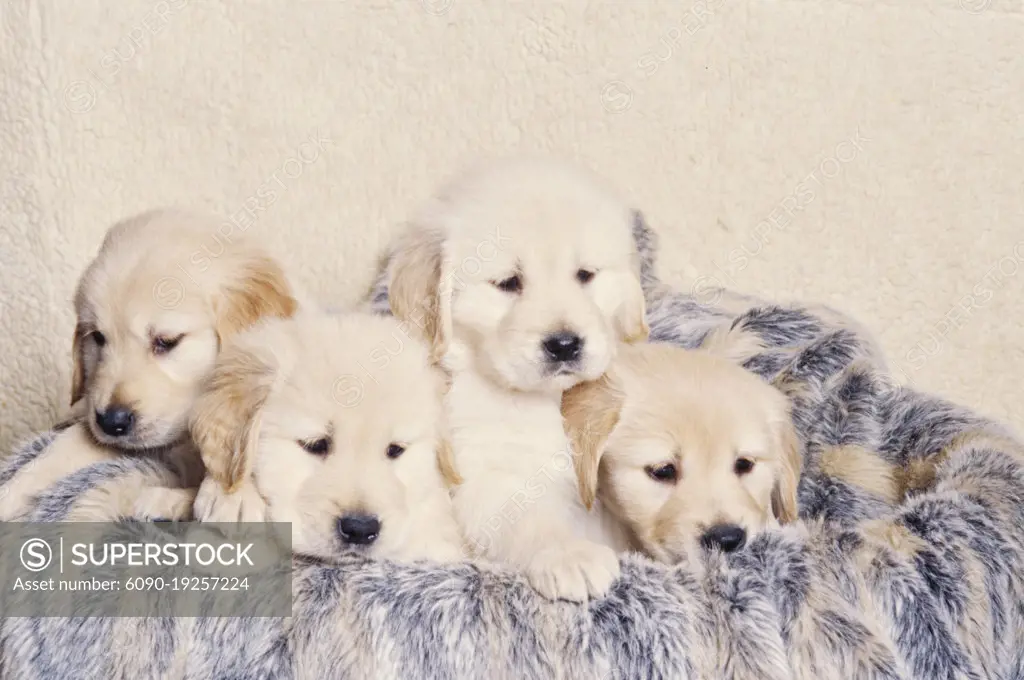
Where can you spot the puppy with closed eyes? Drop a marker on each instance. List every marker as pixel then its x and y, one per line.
pixel 334 424
pixel 165 291
pixel 684 449
pixel 524 276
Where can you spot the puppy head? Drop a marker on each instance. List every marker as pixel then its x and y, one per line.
pixel 331 423
pixel 685 449
pixel 166 289
pixel 525 271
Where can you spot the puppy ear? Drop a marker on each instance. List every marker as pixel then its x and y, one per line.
pixel 784 493
pixel 416 292
pixel 631 317
pixel 445 455
pixel 225 421
pixel 591 412
pixel 257 289
pixel 446 463
pixel 78 365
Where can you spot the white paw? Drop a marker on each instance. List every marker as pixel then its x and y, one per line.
pixel 576 571
pixel 214 504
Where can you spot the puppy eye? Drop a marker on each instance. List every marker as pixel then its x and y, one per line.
pixel 163 345
pixel 743 465
pixel 513 284
pixel 584 276
pixel 395 450
pixel 318 447
pixel 98 338
pixel 663 473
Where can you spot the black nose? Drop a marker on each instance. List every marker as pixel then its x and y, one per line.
pixel 563 346
pixel 728 537
pixel 116 421
pixel 358 529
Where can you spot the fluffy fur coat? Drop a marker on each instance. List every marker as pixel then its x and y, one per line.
pixel 907 562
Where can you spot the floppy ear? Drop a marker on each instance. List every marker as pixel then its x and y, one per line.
pixel 784 493
pixel 446 463
pixel 225 419
pixel 257 289
pixel 591 412
pixel 78 365
pixel 631 316
pixel 416 292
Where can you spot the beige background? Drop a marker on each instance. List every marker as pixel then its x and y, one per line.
pixel 866 153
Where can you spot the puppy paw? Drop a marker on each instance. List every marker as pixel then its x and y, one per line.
pixel 576 571
pixel 214 504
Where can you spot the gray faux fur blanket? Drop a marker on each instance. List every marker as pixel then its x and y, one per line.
pixel 907 562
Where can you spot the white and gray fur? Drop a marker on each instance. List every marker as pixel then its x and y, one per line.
pixel 929 587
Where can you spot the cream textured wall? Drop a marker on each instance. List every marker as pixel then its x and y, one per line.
pixel 866 153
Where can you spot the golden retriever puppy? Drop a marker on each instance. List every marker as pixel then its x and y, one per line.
pixel 153 308
pixel 165 290
pixel 524 276
pixel 684 448
pixel 334 424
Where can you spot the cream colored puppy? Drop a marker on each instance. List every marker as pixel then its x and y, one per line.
pixel 166 289
pixel 525 277
pixel 684 448
pixel 334 424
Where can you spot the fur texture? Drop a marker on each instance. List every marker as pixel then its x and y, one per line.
pixel 683 447
pixel 331 423
pixel 524 277
pixel 152 311
pixel 929 586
